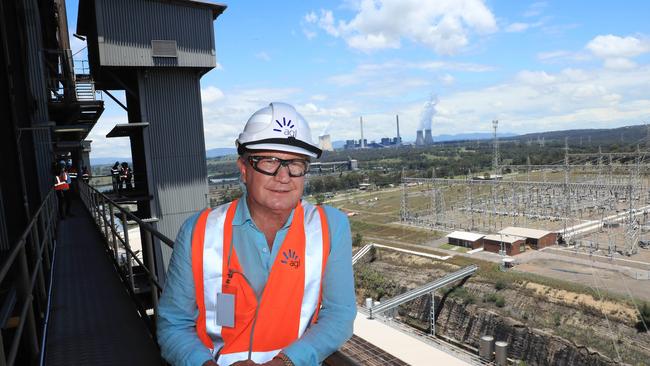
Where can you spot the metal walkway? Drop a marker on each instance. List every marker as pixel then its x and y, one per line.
pixel 423 290
pixel 92 320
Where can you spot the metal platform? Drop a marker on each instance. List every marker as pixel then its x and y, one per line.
pixel 93 321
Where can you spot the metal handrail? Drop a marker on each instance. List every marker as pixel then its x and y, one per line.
pixel 103 210
pixel 30 280
pixel 423 290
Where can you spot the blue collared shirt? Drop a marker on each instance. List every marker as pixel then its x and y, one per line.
pixel 177 311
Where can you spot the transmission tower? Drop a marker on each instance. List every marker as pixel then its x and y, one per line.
pixel 567 190
pixel 403 208
pixel 495 125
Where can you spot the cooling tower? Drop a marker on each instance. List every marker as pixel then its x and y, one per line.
pixel 428 139
pixel 419 140
pixel 325 143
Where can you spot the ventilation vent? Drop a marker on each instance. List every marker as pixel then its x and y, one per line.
pixel 163 48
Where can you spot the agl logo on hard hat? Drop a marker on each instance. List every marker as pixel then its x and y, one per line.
pixel 286 127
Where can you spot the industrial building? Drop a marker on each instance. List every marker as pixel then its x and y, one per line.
pixel 465 239
pixel 536 239
pixel 510 244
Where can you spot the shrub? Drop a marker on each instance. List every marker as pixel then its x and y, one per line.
pixel 500 301
pixel 357 240
pixel 644 318
pixel 500 285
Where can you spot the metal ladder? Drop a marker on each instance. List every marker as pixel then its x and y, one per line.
pixel 84 87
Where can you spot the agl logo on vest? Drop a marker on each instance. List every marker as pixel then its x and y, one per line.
pixel 291 258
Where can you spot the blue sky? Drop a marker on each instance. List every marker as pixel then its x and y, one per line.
pixel 534 65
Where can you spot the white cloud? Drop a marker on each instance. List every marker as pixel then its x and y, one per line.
pixel 611 46
pixel 535 9
pixel 211 94
pixel 521 27
pixel 617 51
pixel 517 27
pixel 263 56
pixel 444 26
pixel 542 101
pixel 103 147
pixel 365 73
pixel 319 97
pixel 535 77
pixel 447 79
pixel 620 63
pixel 561 56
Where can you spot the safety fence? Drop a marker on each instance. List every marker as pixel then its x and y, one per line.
pixel 25 280
pixel 118 244
pixel 104 211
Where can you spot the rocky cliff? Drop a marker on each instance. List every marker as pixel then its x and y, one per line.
pixel 541 329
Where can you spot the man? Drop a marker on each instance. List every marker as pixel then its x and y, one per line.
pixel 85 174
pixel 267 279
pixel 62 188
pixel 115 177
pixel 126 175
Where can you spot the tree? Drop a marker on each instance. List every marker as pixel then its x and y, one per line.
pixel 357 240
pixel 644 318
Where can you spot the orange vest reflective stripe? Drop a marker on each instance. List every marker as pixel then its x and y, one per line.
pixel 290 300
pixel 61 183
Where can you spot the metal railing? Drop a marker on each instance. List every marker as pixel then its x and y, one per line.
pixel 423 290
pixel 25 275
pixel 363 251
pixel 103 211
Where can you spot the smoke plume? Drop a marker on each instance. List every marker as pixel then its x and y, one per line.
pixel 428 111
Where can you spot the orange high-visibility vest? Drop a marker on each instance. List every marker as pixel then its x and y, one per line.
pixel 61 183
pixel 290 300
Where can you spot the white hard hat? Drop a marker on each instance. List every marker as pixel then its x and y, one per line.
pixel 278 127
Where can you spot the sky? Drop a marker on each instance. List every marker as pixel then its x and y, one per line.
pixel 533 65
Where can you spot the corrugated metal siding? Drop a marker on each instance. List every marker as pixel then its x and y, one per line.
pixel 37 85
pixel 128 43
pixel 4 236
pixel 44 159
pixel 171 103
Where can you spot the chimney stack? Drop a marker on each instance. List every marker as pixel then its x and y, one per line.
pixel 362 143
pixel 399 139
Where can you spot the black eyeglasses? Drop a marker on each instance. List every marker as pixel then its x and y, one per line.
pixel 271 165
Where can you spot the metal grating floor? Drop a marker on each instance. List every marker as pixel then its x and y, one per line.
pixel 92 318
pixel 367 354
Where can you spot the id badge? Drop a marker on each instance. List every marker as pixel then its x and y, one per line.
pixel 226 310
